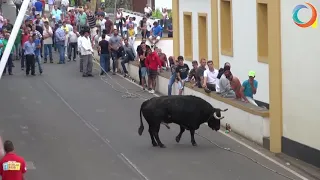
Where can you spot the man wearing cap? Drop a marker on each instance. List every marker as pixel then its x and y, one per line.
pixel 13 167
pixel 249 88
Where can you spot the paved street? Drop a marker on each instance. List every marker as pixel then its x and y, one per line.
pixel 70 127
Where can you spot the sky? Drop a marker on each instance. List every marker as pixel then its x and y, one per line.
pixel 163 3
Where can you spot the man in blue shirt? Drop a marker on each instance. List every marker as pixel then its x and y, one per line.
pixel 155 34
pixel 249 88
pixel 60 37
pixel 37 44
pixel 38 7
pixel 29 49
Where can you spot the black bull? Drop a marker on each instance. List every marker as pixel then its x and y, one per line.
pixel 187 111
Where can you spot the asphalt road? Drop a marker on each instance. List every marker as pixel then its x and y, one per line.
pixel 70 127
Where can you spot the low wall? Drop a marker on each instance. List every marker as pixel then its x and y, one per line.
pixel 245 119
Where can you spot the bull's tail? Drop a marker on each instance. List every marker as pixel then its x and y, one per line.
pixel 141 128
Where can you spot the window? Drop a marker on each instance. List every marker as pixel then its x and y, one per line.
pixel 262 31
pixel 203 35
pixel 226 32
pixel 187 31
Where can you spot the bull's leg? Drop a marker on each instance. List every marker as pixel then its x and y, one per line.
pixel 182 129
pixel 153 141
pixel 193 141
pixel 156 136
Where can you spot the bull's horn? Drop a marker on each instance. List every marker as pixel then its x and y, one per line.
pixel 224 110
pixel 216 117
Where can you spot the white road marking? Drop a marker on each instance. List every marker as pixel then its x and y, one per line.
pixel 265 156
pixel 106 141
pixel 247 146
pixel 134 166
pixel 93 126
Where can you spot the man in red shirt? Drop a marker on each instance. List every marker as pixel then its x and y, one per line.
pixel 152 63
pixel 25 38
pixel 12 166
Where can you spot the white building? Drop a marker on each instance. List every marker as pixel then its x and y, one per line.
pixel 260 35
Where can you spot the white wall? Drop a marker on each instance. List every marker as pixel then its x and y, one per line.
pixel 195 6
pixel 244 41
pixel 245 47
pixel 300 66
pixel 163 4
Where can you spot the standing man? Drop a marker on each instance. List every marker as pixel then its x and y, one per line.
pixel 79 49
pixel 64 7
pixel 82 19
pixel 38 6
pixel 9 62
pixel 29 48
pixel 109 26
pixel 86 53
pixel 182 71
pixel 18 4
pixel 73 43
pixel 152 63
pixel 47 42
pixel 13 167
pixel 60 36
pixel 37 43
pixel 24 39
pixel 115 42
pixel 92 23
pixel 104 52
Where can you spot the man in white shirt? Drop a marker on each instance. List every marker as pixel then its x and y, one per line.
pixel 102 23
pixel 210 81
pixel 79 43
pixel 72 43
pixel 148 11
pixel 47 42
pixel 86 53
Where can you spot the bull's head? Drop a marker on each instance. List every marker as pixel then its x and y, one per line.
pixel 214 122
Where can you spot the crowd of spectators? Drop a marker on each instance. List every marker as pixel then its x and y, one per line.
pixel 205 75
pixel 114 40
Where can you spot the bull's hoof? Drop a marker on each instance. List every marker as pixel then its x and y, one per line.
pixel 162 146
pixel 154 144
pixel 178 139
pixel 194 144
